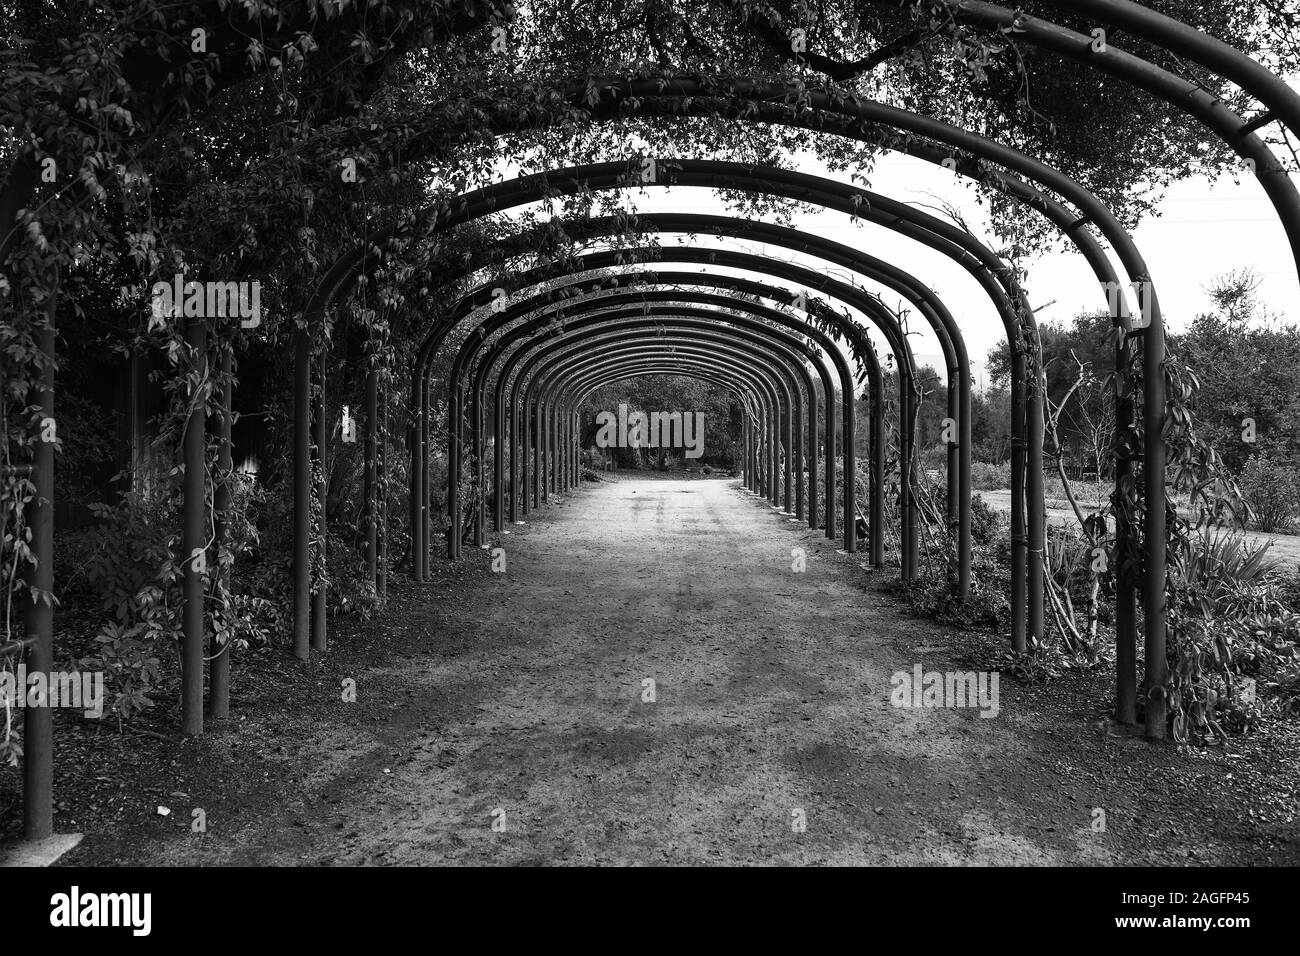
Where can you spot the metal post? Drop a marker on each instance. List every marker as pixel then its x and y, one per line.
pixel 455 463
pixel 798 463
pixel 194 539
pixel 830 466
pixel 1018 542
pixel 413 415
pixel 965 544
pixel 219 668
pixel 426 515
pixel 877 452
pixel 1124 572
pixel 1034 505
pixel 525 454
pixel 301 494
pixel 38 616
pixel 371 476
pixel 516 454
pixel 319 629
pixel 382 467
pixel 504 446
pixel 907 515
pixel 1153 475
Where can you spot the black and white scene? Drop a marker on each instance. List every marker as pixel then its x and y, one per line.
pixel 650 433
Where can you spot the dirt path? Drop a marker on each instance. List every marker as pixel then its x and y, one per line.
pixel 518 698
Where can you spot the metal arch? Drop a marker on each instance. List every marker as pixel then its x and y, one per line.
pixel 790 348
pixel 1181 38
pixel 581 391
pixel 989 284
pixel 906 285
pixel 682 342
pixel 683 353
pixel 722 343
pixel 682 365
pixel 689 369
pixel 852 331
pixel 792 443
pixel 793 436
pixel 911 223
pixel 653 292
pixel 781 382
pixel 712 322
pixel 876 311
pixel 701 368
pixel 524 308
pixel 964 249
pixel 641 294
pixel 937 315
pixel 678 355
pixel 1101 214
pixel 709 327
pixel 822 340
pixel 880 314
pixel 467 353
pixel 784 350
pixel 697 367
pixel 1281 101
pixel 1035 522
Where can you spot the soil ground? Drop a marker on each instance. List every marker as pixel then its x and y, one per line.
pixel 520 698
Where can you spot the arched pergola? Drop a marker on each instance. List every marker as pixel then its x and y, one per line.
pixel 781 352
pixel 965 151
pixel 941 323
pixel 571 306
pixel 975 258
pixel 752 325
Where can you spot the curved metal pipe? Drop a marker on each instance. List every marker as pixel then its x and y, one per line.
pixel 785 357
pixel 751 324
pixel 787 345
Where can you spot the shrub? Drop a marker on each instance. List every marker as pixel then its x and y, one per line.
pixel 931 593
pixel 131 569
pixel 985 523
pixel 988 477
pixel 1233 628
pixel 1272 489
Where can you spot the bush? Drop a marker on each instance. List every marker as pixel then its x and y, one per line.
pixel 931 593
pixel 131 569
pixel 985 523
pixel 129 565
pixel 1233 629
pixel 1272 490
pixel 988 477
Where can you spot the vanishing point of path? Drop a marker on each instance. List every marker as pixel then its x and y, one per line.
pixel 517 698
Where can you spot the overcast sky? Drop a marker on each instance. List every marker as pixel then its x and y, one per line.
pixel 1204 230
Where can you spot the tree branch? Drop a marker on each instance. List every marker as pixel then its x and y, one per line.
pixel 761 24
